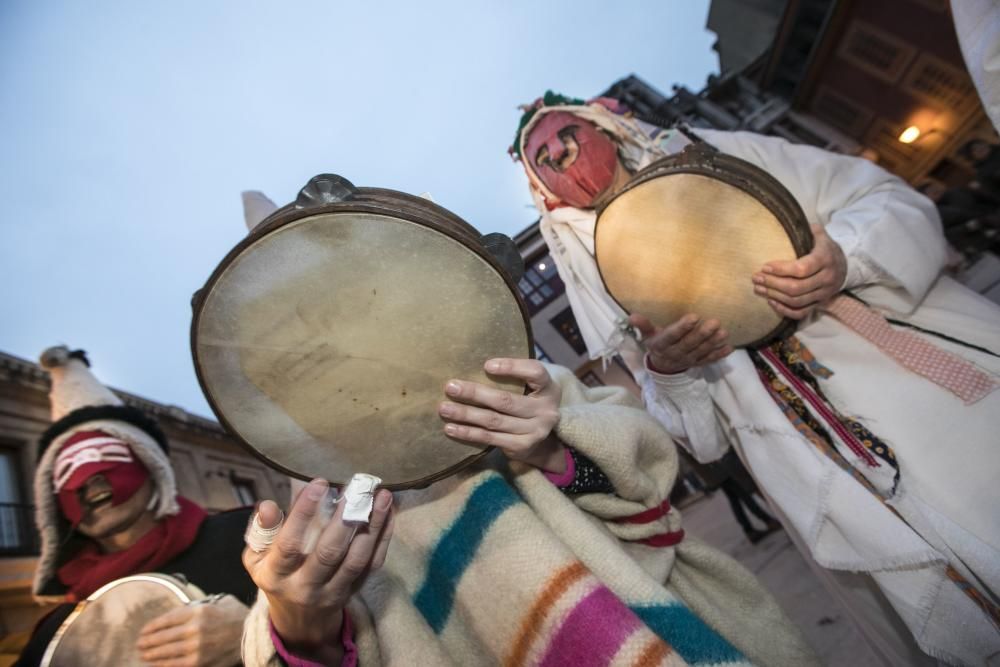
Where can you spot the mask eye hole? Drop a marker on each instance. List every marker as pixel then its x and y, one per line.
pixel 542 156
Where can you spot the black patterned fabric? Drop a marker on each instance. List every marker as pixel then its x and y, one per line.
pixel 588 478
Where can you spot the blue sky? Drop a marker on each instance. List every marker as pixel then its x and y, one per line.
pixel 128 130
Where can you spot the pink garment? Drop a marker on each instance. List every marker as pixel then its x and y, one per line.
pixel 912 352
pixel 567 477
pixel 346 637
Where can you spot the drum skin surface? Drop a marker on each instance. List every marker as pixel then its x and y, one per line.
pixel 103 629
pixel 324 344
pixel 679 240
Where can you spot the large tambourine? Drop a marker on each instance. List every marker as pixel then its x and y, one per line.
pixel 686 234
pixel 324 339
pixel 102 630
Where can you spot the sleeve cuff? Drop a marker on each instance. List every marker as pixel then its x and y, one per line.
pixel 679 379
pixel 566 478
pixel 346 637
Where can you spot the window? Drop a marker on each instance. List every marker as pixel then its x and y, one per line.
pixel 17 527
pixel 244 489
pixel 541 284
pixel 875 51
pixel 565 324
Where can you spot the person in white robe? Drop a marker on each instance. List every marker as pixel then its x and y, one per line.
pixel 920 517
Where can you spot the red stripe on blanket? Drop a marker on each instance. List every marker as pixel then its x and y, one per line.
pixel 648 516
pixel 664 539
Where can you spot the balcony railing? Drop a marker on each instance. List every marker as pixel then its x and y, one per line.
pixel 18 536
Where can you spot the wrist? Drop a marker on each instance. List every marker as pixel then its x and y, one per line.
pixel 313 635
pixel 549 456
pixel 662 367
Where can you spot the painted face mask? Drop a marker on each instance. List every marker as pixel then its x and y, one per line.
pixel 574 159
pixel 86 454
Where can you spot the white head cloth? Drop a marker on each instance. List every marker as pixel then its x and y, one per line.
pixel 569 231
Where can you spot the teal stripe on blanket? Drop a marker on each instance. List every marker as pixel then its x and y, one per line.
pixel 457 547
pixel 689 635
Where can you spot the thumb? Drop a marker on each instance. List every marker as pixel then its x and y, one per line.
pixel 642 323
pixel 268 514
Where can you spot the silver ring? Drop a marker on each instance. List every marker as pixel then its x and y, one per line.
pixel 259 538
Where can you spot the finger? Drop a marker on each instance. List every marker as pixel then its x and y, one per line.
pixel 268 514
pixel 488 419
pixel 765 285
pixel 285 555
pixel 787 311
pixel 362 548
pixel 330 550
pixel 508 442
pixel 675 332
pixel 718 339
pixel 530 371
pixel 473 393
pixel 800 301
pixel 703 334
pixel 166 620
pixel 175 649
pixel 165 636
pixel 803 267
pixel 382 550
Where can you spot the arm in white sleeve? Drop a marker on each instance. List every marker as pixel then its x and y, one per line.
pixel 890 233
pixel 682 404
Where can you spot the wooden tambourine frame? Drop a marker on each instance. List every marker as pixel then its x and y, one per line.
pixel 326 194
pixel 703 160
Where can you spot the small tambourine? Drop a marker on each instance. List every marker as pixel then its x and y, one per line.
pixel 324 339
pixel 686 234
pixel 103 629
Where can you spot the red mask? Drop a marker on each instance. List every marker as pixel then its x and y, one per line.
pixel 86 454
pixel 572 157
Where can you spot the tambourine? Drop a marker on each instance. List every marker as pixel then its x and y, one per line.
pixel 324 339
pixel 686 234
pixel 103 629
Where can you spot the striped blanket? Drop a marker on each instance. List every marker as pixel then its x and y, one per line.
pixel 497 566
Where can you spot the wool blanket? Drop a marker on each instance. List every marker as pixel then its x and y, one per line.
pixel 498 566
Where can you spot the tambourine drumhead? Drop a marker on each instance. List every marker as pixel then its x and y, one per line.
pixel 679 240
pixel 103 629
pixel 325 343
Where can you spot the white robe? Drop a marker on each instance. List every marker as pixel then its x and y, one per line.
pixel 949 453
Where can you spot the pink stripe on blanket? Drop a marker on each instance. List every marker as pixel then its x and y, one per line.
pixel 592 633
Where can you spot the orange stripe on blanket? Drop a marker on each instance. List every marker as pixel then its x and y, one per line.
pixel 654 654
pixel 554 589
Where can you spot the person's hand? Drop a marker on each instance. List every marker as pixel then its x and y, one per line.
pixel 195 635
pixel 686 343
pixel 794 288
pixel 520 425
pixel 307 593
